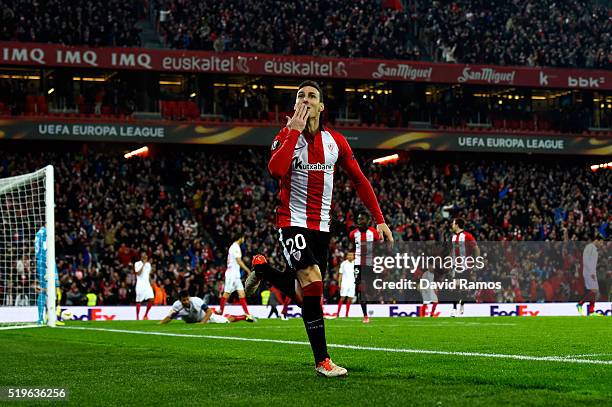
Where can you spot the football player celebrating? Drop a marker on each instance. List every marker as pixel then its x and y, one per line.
pixel 305 156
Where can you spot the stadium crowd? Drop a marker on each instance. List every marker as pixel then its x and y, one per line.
pixel 361 28
pixel 185 207
pixel 94 23
pixel 533 33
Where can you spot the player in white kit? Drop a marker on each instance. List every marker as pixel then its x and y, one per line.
pixel 590 255
pixel 347 282
pixel 232 275
pixel 429 295
pixel 193 310
pixel 144 291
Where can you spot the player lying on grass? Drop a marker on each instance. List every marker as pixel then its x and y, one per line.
pixel 192 310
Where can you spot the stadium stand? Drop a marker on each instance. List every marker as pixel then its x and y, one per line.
pixel 567 34
pixel 182 206
pixel 532 33
pixel 109 23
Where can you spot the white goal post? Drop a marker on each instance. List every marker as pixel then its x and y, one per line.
pixel 27 250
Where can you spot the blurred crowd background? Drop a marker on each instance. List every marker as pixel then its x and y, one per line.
pixel 184 207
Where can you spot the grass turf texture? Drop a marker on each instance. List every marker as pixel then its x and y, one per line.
pixel 113 368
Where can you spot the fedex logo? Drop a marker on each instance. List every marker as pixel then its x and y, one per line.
pixel 520 311
pixel 606 312
pixel 93 314
pixel 291 314
pixel 393 312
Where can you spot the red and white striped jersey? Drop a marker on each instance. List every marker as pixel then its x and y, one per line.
pixel 463 244
pixel 363 245
pixel 305 165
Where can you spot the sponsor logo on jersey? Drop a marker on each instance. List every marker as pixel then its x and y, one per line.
pixel 300 165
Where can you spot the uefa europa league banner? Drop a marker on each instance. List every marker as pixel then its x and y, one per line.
pixel 52 55
pixel 194 133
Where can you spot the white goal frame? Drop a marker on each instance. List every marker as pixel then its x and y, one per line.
pixel 15 182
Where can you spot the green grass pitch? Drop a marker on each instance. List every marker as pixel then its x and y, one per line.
pixel 203 365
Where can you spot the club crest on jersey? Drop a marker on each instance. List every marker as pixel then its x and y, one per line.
pixel 297 255
pixel 300 165
pixel 331 147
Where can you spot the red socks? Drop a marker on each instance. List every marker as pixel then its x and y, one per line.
pixel 239 318
pixel 137 311
pixel 244 305
pixel 149 305
pixel 314 289
pixel 222 305
pixel 286 306
pixel 339 306
pixel 242 302
pixel 433 309
pixel 348 306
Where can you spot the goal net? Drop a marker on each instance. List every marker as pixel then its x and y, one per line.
pixel 27 250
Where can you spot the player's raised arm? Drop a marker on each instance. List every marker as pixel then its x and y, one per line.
pixel 284 143
pixel 363 187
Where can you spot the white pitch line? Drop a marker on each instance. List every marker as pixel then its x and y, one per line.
pixel 225 328
pixel 356 324
pixel 425 324
pixel 429 322
pixel 358 347
pixel 6 328
pixel 588 355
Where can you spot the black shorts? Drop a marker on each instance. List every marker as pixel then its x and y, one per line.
pixel 304 247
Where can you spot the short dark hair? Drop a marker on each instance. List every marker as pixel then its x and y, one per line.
pixel 314 85
pixel 239 234
pixel 460 222
pixel 183 294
